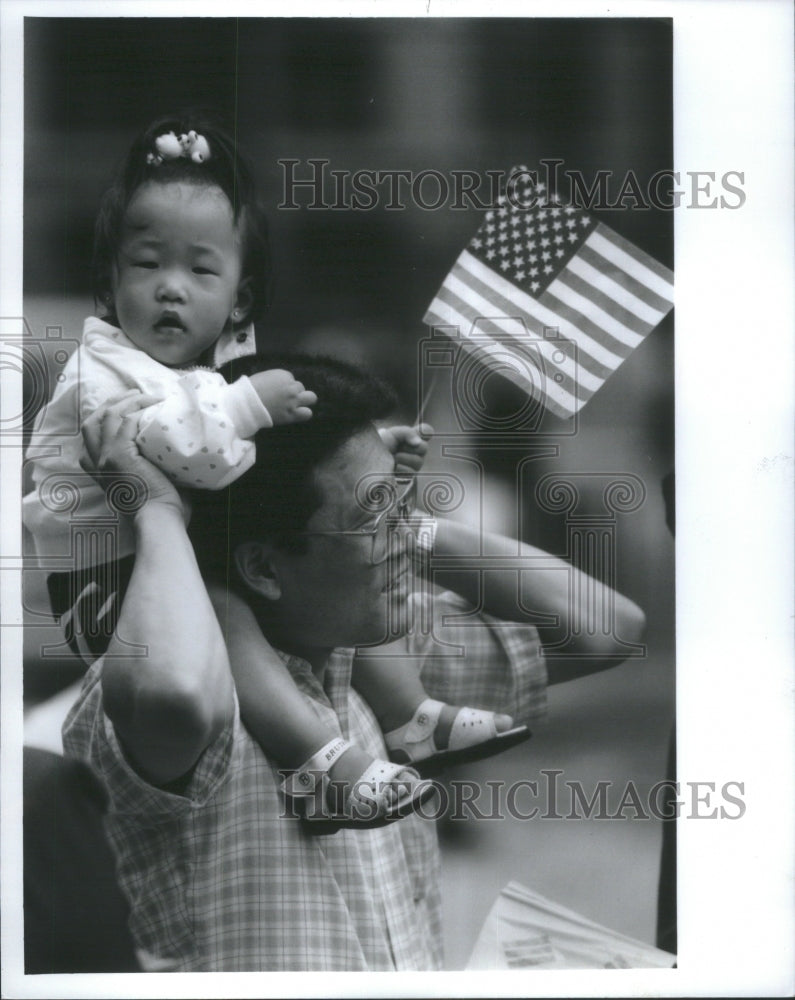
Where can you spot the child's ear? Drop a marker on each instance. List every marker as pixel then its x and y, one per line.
pixel 257 570
pixel 106 296
pixel 243 303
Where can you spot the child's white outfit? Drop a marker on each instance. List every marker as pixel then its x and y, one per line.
pixel 197 432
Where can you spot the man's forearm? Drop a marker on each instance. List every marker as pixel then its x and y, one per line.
pixel 548 586
pixel 168 705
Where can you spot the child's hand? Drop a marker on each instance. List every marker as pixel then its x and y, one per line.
pixel 287 401
pixel 409 445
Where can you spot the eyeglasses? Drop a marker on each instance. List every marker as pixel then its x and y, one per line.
pixel 384 528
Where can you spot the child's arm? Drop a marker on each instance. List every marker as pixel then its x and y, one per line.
pixel 199 433
pixel 274 711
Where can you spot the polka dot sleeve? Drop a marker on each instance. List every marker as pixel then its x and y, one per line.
pixel 198 434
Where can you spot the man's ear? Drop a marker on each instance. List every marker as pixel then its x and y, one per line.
pixel 257 569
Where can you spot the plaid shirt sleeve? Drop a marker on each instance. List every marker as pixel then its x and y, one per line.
pixel 478 660
pixel 89 734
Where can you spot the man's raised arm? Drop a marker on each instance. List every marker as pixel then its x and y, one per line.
pixel 170 704
pixel 590 647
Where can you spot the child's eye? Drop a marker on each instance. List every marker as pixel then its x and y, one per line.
pixel 149 264
pixel 203 270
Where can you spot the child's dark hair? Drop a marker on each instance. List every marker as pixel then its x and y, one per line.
pixel 224 168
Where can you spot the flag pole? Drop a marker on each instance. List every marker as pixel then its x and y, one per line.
pixel 426 397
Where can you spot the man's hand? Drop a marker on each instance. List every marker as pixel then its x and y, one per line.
pixel 109 437
pixel 285 398
pixel 409 445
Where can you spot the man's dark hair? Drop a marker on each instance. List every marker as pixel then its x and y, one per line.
pixel 276 497
pixel 225 169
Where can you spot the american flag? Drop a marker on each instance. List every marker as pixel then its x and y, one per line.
pixel 551 298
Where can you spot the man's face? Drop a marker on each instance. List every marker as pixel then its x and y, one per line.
pixel 334 594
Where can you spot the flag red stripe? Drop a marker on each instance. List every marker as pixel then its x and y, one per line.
pixel 660 279
pixel 604 302
pixel 573 319
pixel 620 276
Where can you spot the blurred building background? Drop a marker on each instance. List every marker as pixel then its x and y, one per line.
pixel 411 95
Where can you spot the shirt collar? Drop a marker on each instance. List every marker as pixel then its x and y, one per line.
pixel 93 326
pixel 234 344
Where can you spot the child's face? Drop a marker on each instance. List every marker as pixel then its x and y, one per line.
pixel 178 274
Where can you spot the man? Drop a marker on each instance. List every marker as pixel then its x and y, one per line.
pixel 218 877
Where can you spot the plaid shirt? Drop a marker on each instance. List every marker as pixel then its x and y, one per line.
pixel 220 879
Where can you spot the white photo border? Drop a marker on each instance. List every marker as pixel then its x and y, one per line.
pixel 733 76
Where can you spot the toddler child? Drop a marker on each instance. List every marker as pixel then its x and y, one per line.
pixel 181 267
